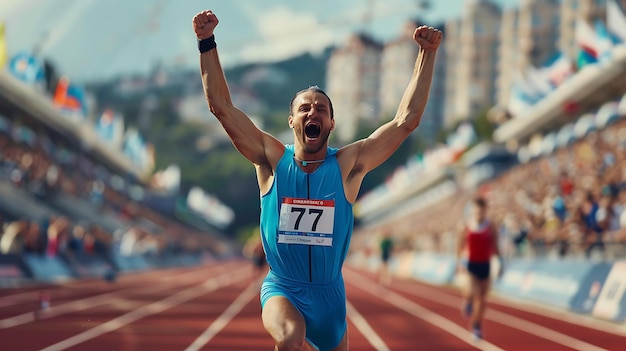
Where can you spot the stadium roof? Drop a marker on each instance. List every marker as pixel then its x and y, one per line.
pixel 34 106
pixel 588 89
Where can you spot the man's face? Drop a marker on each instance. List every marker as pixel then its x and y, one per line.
pixel 478 212
pixel 311 121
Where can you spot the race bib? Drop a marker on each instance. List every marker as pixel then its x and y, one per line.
pixel 306 221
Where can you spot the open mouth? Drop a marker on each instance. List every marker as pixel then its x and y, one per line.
pixel 312 131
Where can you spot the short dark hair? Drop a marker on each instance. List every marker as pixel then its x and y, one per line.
pixel 480 202
pixel 315 89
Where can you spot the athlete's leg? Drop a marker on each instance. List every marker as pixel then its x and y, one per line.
pixel 285 324
pixel 469 292
pixel 384 275
pixel 481 300
pixel 343 345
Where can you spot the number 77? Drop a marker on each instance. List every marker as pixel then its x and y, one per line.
pixel 301 211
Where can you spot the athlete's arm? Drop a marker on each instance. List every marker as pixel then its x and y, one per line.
pixel 260 148
pixel 366 154
pixel 494 240
pixel 496 248
pixel 460 243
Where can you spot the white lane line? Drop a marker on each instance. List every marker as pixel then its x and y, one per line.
pixel 251 291
pixel 567 317
pixel 33 295
pixel 153 308
pixel 82 304
pixel 186 275
pixel 536 308
pixel 540 331
pixel 447 299
pixel 366 330
pixel 57 310
pixel 18 298
pixel 420 312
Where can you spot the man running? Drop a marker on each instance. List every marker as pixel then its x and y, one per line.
pixel 386 248
pixel 307 193
pixel 478 242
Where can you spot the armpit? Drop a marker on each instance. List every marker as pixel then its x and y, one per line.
pixel 355 171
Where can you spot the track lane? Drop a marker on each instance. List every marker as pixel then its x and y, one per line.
pixel 509 327
pixel 399 329
pixel 153 308
pixel 113 311
pixel 12 300
pixel 174 328
pixel 90 294
pixel 411 315
pixel 575 336
pixel 245 331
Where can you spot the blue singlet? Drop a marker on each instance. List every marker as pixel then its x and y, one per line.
pixel 307 244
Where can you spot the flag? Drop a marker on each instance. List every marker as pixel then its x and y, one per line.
pixel 27 68
pixel 104 126
pixel 167 179
pixel 605 42
pixel 70 99
pixel 4 55
pixel 110 127
pixel 559 68
pixel 615 21
pixel 209 207
pixel 593 47
pixel 523 95
pixel 136 149
pixel 540 80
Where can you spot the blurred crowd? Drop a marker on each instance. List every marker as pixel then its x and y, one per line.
pixel 36 170
pixel 569 203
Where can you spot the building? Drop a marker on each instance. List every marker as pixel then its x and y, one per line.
pixel 452 45
pixel 353 81
pixel 473 60
pixel 397 66
pixel 529 37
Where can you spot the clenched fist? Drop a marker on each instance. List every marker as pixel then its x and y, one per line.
pixel 204 24
pixel 428 38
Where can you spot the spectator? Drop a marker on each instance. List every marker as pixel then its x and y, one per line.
pixel 12 240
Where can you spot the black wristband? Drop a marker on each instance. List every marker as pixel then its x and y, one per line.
pixel 207 44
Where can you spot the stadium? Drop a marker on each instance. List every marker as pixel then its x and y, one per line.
pixel 107 244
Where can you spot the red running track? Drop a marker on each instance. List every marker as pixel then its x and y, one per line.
pixel 216 307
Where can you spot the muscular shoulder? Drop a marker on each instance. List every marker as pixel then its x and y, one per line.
pixel 273 151
pixel 266 167
pixel 348 159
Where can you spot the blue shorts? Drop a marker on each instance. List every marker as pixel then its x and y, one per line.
pixel 323 306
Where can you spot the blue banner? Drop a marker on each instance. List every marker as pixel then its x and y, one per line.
pixel 85 265
pixel 434 268
pixel 611 303
pixel 550 281
pixel 131 263
pixel 47 268
pixel 590 288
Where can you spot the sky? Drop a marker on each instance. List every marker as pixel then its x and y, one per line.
pixel 98 39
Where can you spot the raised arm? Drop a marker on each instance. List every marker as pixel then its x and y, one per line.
pixel 369 153
pixel 260 148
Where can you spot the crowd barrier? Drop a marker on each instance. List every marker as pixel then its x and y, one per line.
pixel 582 286
pixel 27 268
